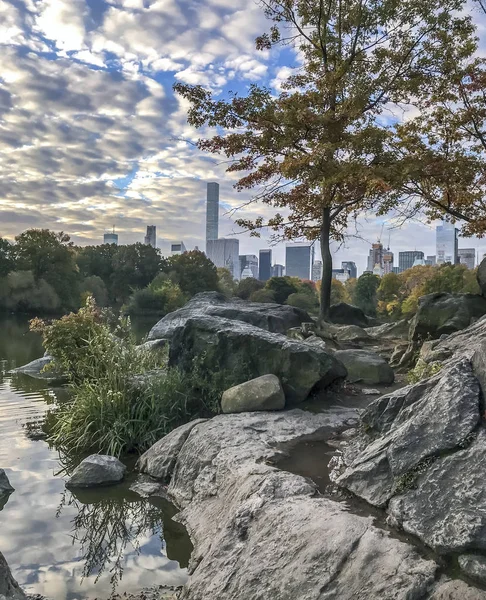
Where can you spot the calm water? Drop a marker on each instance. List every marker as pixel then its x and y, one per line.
pixel 65 545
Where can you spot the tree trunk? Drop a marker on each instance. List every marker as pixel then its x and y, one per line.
pixel 325 239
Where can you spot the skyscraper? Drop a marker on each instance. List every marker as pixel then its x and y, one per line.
pixel 225 253
pixel 447 244
pixel 212 211
pixel 278 270
pixel 387 261
pixel 406 259
pixel 177 248
pixel 249 261
pixel 265 265
pixel 110 238
pixel 299 259
pixel 376 257
pixel 151 237
pixel 431 260
pixel 349 265
pixel 317 271
pixel 467 256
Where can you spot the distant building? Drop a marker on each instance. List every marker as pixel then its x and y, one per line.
pixel 376 256
pixel 224 253
pixel 446 243
pixel 396 270
pixel 419 262
pixel 151 237
pixel 110 238
pixel 387 261
pixel 378 270
pixel 249 261
pixel 467 256
pixel 407 258
pixel 317 271
pixel 299 259
pixel 177 248
pixel 265 265
pixel 430 260
pixel 212 212
pixel 340 274
pixel 278 270
pixel 247 273
pixel 350 266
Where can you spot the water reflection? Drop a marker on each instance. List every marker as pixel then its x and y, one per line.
pixel 65 546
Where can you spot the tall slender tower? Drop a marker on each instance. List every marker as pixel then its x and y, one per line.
pixel 212 211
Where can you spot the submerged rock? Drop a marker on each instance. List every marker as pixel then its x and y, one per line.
pixel 276 318
pixel 37 370
pixel 5 487
pixel 262 393
pixel 245 352
pixel 97 469
pixel 443 313
pixel 366 366
pixel 9 588
pixel 249 521
pixel 347 314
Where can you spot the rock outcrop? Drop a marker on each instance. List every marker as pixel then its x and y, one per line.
pixel 276 318
pixel 440 314
pixel 246 352
pixel 250 522
pixel 95 470
pixel 347 314
pixel 5 487
pixel 9 588
pixel 262 393
pixel 366 366
pixel 481 276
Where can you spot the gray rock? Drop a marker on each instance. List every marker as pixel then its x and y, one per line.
pixel 474 566
pixel 262 393
pixel 366 366
pixel 409 426
pixel 5 487
pixel 275 318
pixel 159 460
pixel 390 331
pixel 447 509
pixel 295 333
pixel 456 590
pixel 246 352
pixel 146 487
pixel 481 276
pixel 97 469
pixel 318 342
pixel 249 521
pixel 9 588
pixel 346 314
pixel 442 313
pixel 36 370
pixel 351 334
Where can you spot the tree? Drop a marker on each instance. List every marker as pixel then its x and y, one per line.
pixel 303 300
pixel 365 293
pixel 282 287
pixel 338 292
pixel 134 266
pixel 227 285
pixel 247 286
pixel 7 259
pixel 192 271
pixel 98 261
pixel 95 286
pixel 319 149
pixel 265 295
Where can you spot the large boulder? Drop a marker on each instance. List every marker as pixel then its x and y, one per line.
pixel 276 318
pixel 262 393
pixel 9 588
pixel 366 366
pixel 246 352
pixel 95 470
pixel 390 331
pixel 481 276
pixel 351 334
pixel 249 521
pixel 440 314
pixel 37 369
pixel 347 314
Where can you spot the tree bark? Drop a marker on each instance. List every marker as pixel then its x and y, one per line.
pixel 325 240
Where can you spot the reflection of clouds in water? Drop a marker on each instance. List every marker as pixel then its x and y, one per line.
pixel 38 545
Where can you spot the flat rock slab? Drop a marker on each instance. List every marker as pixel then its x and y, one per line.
pixel 262 393
pixel 366 366
pixel 95 470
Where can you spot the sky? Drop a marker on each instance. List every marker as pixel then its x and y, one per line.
pixel 92 136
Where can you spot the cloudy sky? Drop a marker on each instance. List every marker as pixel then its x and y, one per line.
pixel 90 129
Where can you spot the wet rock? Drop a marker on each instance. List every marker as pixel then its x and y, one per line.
pixel 246 352
pixel 442 313
pixel 5 487
pixel 146 487
pixel 9 588
pixel 447 508
pixel 262 393
pixel 275 318
pixel 249 521
pixel 366 366
pixel 36 369
pixel 408 426
pixel 159 460
pixel 474 566
pixel 97 469
pixel 346 314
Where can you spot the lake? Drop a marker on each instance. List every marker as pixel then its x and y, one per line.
pixel 67 545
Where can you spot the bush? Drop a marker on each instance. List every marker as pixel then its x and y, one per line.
pixel 265 296
pixel 282 287
pixel 423 370
pixel 303 300
pixel 20 292
pixel 246 287
pixel 161 297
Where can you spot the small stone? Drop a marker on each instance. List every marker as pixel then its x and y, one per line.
pixel 262 393
pixel 370 392
pixel 97 469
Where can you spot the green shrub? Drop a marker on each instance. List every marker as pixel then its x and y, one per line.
pixel 423 370
pixel 265 296
pixel 246 287
pixel 303 300
pixel 161 297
